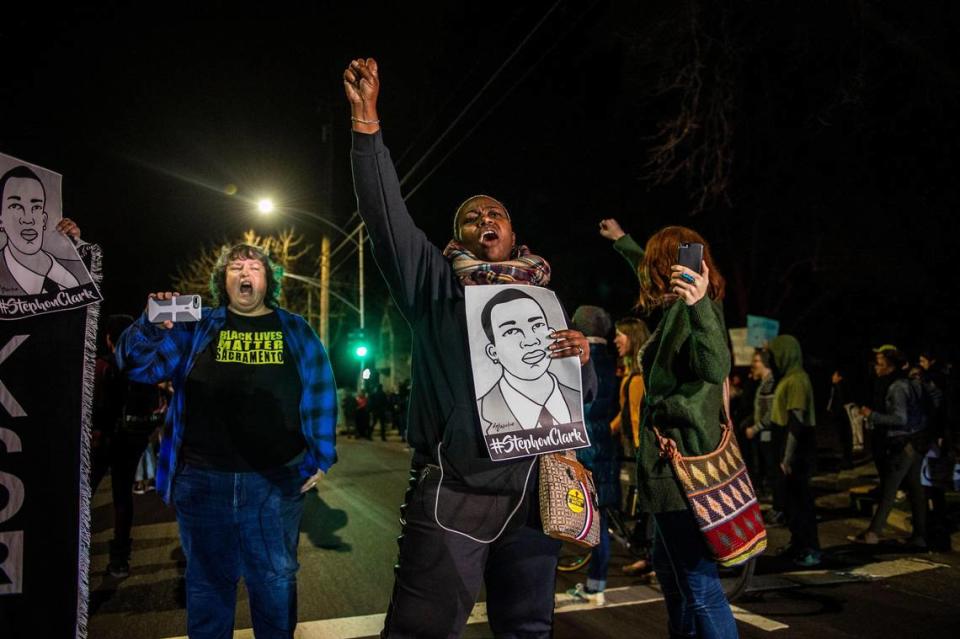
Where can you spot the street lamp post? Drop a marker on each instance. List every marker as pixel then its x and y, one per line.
pixel 360 254
pixel 266 206
pixel 324 289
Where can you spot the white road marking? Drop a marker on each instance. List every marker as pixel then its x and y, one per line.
pixel 370 625
pixel 895 568
pixel 757 621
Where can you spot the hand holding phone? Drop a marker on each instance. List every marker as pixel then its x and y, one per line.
pixel 166 308
pixel 689 278
pixel 690 254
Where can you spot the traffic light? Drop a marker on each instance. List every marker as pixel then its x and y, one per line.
pixel 358 344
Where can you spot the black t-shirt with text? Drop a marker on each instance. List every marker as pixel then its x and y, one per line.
pixel 243 399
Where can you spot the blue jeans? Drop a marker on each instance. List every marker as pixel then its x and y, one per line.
pixel 600 557
pixel 688 577
pixel 233 525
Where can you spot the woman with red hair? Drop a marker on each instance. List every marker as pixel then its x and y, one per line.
pixel 684 363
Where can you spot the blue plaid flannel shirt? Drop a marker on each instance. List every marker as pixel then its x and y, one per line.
pixel 149 354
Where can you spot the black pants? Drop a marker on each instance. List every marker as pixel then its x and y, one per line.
pixel 800 510
pixel 901 464
pixel 772 454
pixel 439 573
pixel 798 494
pixel 120 454
pixel 362 418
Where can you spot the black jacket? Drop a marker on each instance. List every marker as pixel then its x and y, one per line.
pixel 430 297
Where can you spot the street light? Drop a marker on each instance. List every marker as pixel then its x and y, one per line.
pixel 265 205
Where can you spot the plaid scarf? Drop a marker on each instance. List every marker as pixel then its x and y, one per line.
pixel 523 268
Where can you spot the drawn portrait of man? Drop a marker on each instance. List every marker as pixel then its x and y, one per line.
pixel 25 267
pixel 527 395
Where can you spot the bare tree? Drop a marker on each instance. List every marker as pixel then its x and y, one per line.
pixel 696 142
pixel 287 249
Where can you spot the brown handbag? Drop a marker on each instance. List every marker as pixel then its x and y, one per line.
pixel 568 500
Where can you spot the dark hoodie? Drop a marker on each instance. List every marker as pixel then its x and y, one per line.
pixel 443 413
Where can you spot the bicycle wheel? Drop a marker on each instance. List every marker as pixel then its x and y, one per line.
pixel 736 580
pixel 572 557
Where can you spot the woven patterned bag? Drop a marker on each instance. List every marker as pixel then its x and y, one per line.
pixel 568 500
pixel 720 495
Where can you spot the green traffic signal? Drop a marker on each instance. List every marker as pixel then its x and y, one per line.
pixel 361 351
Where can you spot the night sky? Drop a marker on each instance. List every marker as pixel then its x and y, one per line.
pixel 838 209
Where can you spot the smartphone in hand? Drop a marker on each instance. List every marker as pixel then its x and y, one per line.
pixel 690 254
pixel 180 308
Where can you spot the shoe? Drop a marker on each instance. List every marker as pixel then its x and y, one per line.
pixel 150 485
pixel 119 564
pixel 918 544
pixel 867 538
pixel 138 488
pixel 639 567
pixel 580 593
pixel 118 568
pixel 809 559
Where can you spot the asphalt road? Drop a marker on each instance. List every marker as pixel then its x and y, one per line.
pixel 347 550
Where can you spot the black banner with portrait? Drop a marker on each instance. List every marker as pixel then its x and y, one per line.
pixel 46 395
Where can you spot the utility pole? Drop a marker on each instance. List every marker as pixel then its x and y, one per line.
pixel 325 289
pixel 310 307
pixel 360 252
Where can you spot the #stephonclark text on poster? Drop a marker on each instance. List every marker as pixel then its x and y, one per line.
pixel 528 403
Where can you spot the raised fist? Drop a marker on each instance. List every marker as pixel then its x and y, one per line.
pixel 361 84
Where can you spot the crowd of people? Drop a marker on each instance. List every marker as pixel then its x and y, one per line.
pixel 261 431
pixel 374 407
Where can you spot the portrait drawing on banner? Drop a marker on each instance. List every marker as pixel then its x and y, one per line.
pixel 40 270
pixel 525 398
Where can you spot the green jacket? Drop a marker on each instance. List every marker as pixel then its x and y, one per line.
pixel 685 364
pixel 794 390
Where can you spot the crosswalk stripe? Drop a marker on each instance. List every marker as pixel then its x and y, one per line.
pixel 370 625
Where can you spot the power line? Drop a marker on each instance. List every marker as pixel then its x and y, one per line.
pixel 496 104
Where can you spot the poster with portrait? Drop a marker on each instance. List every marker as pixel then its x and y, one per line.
pixel 529 403
pixel 40 270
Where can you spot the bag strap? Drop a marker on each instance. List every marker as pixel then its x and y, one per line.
pixel 728 420
pixel 436 503
pixel 668 447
